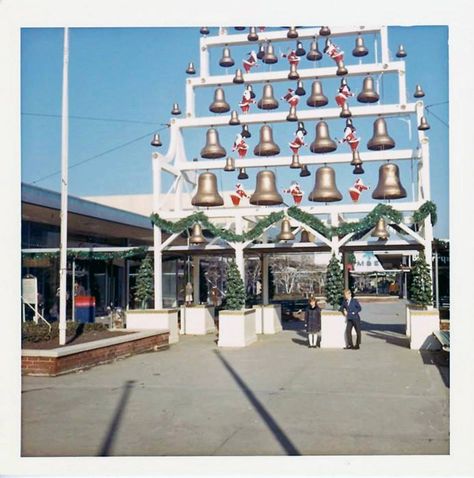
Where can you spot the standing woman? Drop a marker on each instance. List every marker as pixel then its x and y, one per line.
pixel 312 318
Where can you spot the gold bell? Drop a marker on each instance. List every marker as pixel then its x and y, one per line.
pixel 245 131
pixel 261 51
pixel 295 161
pixel 239 29
pixel 219 105
pixel 226 60
pixel 304 171
pixel 325 189
pixel 389 185
pixel 314 54
pixel 323 142
pixel 190 70
pixel 300 91
pixel 242 174
pixel 358 169
pixel 356 158
pixel 317 97
pixel 368 93
pixel 238 77
pixel 380 230
pixel 268 101
pixel 229 164
pixel 175 110
pixel 360 49
pixel 300 51
pixel 266 193
pixel 345 111
pixel 341 69
pixel 292 33
pixel 212 149
pixel 269 57
pixel 196 235
pixel 207 194
pixel 293 74
pixel 380 140
pixel 234 118
pixel 324 31
pixel 292 114
pixel 156 141
pixel 285 231
pixel 305 236
pixel 424 125
pixel 401 53
pixel 419 93
pixel 252 36
pixel 266 145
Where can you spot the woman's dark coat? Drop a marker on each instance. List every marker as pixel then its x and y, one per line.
pixel 312 318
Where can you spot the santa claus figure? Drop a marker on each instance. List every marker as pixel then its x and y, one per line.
pixel 238 194
pixel 343 93
pixel 298 140
pixel 247 100
pixel 240 146
pixel 250 62
pixel 295 191
pixel 261 29
pixel 333 51
pixel 350 136
pixel 291 97
pixel 292 57
pixel 357 189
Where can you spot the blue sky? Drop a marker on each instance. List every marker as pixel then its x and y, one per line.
pixel 123 83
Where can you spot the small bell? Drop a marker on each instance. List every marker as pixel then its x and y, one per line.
pixel 269 57
pixel 292 33
pixel 234 118
pixel 305 236
pixel 301 128
pixel 419 93
pixel 175 111
pixel 261 51
pixel 317 97
pixel 156 141
pixel 325 189
pixel 252 36
pixel 356 158
pixel 293 74
pixel 345 111
pixel 204 31
pixel 285 231
pixel 389 185
pixel 360 48
pixel 242 174
pixel 190 70
pixel 323 142
pixel 229 164
pixel 238 78
pixel 266 145
pixel 304 171
pixel 292 114
pixel 324 31
pixel 196 235
pixel 380 140
pixel 341 69
pixel 219 105
pixel 226 60
pixel 300 51
pixel 266 193
pixel 245 132
pixel 368 93
pixel 252 93
pixel 300 91
pixel 401 53
pixel 314 54
pixel 295 162
pixel 268 101
pixel 212 149
pixel 358 169
pixel 207 194
pixel 424 125
pixel 239 29
pixel 380 230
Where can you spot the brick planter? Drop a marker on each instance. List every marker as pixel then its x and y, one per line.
pixel 77 357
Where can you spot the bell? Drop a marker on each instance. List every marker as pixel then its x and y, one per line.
pixel 156 141
pixel 368 93
pixel 206 194
pixel 196 235
pixel 285 231
pixel 268 101
pixel 358 169
pixel 389 185
pixel 269 57
pixel 300 91
pixel 226 60
pixel 314 54
pixel 204 31
pixel 301 128
pixel 175 110
pixel 356 158
pixel 380 230
pixel 341 69
pixel 401 53
pixel 266 193
pixel 304 171
pixel 252 36
pixel 345 111
pixel 325 189
pixel 219 105
pixel 317 97
pixel 190 70
pixel 295 162
pixel 305 236
pixel 293 74
pixel 380 140
pixel 229 164
pixel 292 114
pixel 238 78
pixel 324 31
pixel 252 93
pixel 292 33
pixel 419 93
pixel 242 174
pixel 323 142
pixel 261 51
pixel 234 118
pixel 245 132
pixel 300 51
pixel 266 146
pixel 360 49
pixel 424 125
pixel 239 29
pixel 212 149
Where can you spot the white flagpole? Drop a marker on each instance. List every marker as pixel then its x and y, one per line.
pixel 64 193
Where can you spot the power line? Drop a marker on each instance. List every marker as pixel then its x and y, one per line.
pixel 437 117
pixel 90 118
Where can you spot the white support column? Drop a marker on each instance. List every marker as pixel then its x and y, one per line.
pixel 204 60
pixel 402 87
pixel 239 259
pixel 335 239
pixel 265 282
pixel 157 236
pixel 384 44
pixel 196 279
pixel 190 99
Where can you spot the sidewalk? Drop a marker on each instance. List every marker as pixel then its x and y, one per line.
pixel 276 397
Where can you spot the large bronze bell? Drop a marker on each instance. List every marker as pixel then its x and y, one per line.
pixel 300 91
pixel 196 235
pixel 266 193
pixel 234 118
pixel 389 185
pixel 424 125
pixel 317 97
pixel 292 116
pixel 401 53
pixel 261 51
pixel 419 93
pixel 242 174
pixel 293 74
pixel 356 158
pixel 252 36
pixel 212 149
pixel 314 54
pixel 156 141
pixel 285 231
pixel 207 194
pixel 295 161
pixel 304 171
pixel 360 48
pixel 175 110
pixel 266 145
pixel 325 189
pixel 300 51
pixel 268 101
pixel 345 111
pixel 323 142
pixel 204 31
pixel 305 236
pixel 292 33
pixel 219 105
pixel 380 140
pixel 245 131
pixel 229 164
pixel 324 31
pixel 190 70
pixel 341 69
pixel 368 93
pixel 238 77
pixel 226 60
pixel 380 230
pixel 269 57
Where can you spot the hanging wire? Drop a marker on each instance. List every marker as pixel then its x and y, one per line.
pixel 88 118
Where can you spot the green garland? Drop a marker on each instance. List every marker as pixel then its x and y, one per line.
pixel 426 209
pixel 91 255
pixel 309 220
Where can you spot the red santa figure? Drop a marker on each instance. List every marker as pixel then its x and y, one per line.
pixel 291 97
pixel 247 100
pixel 238 194
pixel 250 62
pixel 350 136
pixel 295 191
pixel 292 57
pixel 298 140
pixel 356 189
pixel 240 146
pixel 261 29
pixel 333 51
pixel 343 93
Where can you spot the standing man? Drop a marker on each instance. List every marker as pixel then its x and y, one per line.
pixel 350 308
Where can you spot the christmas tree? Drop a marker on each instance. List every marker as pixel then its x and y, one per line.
pixel 144 287
pixel 421 289
pixel 235 299
pixel 334 282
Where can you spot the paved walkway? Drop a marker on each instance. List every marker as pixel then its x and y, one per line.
pixel 276 397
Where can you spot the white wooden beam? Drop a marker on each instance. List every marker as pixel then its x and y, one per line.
pixel 323 239
pixel 412 233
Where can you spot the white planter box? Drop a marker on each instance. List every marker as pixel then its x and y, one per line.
pixel 144 319
pixel 198 320
pixel 258 318
pixel 237 328
pixel 333 326
pixel 272 319
pixel 420 327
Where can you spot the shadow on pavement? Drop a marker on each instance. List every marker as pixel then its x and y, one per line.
pixel 398 328
pixel 300 342
pixel 440 360
pixel 391 339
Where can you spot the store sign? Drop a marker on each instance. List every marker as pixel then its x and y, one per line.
pixel 30 290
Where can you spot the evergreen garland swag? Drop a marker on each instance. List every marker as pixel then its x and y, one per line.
pixel 235 294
